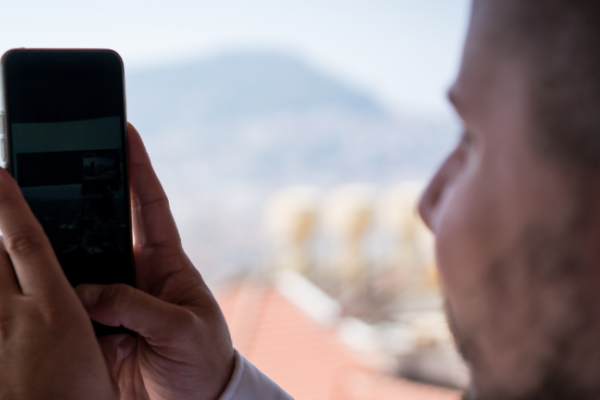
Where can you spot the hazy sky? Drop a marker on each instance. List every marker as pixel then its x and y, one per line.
pixel 405 52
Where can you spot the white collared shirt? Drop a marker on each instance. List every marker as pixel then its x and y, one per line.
pixel 248 383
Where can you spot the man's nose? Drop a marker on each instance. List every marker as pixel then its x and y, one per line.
pixel 428 201
pixel 431 198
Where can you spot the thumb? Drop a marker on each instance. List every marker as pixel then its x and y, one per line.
pixel 121 304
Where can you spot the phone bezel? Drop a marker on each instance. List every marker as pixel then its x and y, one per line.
pixel 124 138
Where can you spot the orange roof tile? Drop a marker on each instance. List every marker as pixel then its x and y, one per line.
pixel 304 357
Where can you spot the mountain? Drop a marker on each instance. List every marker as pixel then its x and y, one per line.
pixel 238 87
pixel 271 118
pixel 225 132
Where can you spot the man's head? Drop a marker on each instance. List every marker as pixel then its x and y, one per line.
pixel 516 206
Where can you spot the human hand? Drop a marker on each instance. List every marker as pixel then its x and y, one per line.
pixel 47 345
pixel 183 349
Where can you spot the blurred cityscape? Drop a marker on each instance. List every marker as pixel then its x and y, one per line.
pixel 295 194
pixel 227 132
pixel 294 189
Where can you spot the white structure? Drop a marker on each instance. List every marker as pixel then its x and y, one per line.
pixel 290 218
pixel 347 215
pixel 410 249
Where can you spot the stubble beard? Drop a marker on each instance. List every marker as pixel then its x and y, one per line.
pixel 546 277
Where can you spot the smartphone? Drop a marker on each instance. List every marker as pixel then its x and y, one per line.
pixel 65 143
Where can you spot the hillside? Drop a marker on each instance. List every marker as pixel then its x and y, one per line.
pixel 238 88
pixel 225 132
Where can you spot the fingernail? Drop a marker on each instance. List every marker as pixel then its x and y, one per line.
pixel 89 294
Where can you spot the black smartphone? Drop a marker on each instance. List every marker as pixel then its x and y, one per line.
pixel 66 145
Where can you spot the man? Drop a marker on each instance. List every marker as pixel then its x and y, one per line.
pixel 515 209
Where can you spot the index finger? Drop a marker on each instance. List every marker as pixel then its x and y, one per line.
pixel 33 259
pixel 153 224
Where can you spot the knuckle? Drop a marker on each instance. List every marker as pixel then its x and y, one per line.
pixel 6 327
pixel 139 204
pixel 23 241
pixel 47 313
pixel 121 296
pixel 7 319
pixel 188 321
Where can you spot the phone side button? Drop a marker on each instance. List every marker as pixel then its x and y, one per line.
pixel 3 150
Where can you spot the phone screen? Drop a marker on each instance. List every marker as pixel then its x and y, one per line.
pixel 66 131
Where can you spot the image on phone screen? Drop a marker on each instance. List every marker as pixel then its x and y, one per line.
pixel 77 195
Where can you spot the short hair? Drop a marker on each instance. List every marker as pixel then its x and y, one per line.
pixel 559 42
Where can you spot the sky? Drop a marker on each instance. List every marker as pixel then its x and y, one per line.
pixel 403 52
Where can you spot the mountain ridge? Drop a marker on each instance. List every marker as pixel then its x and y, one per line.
pixel 238 87
pixel 224 133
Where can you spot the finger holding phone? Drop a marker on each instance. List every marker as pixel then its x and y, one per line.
pixel 183 349
pixel 67 145
pixel 48 349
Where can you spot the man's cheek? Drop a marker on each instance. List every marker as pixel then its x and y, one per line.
pixel 461 248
